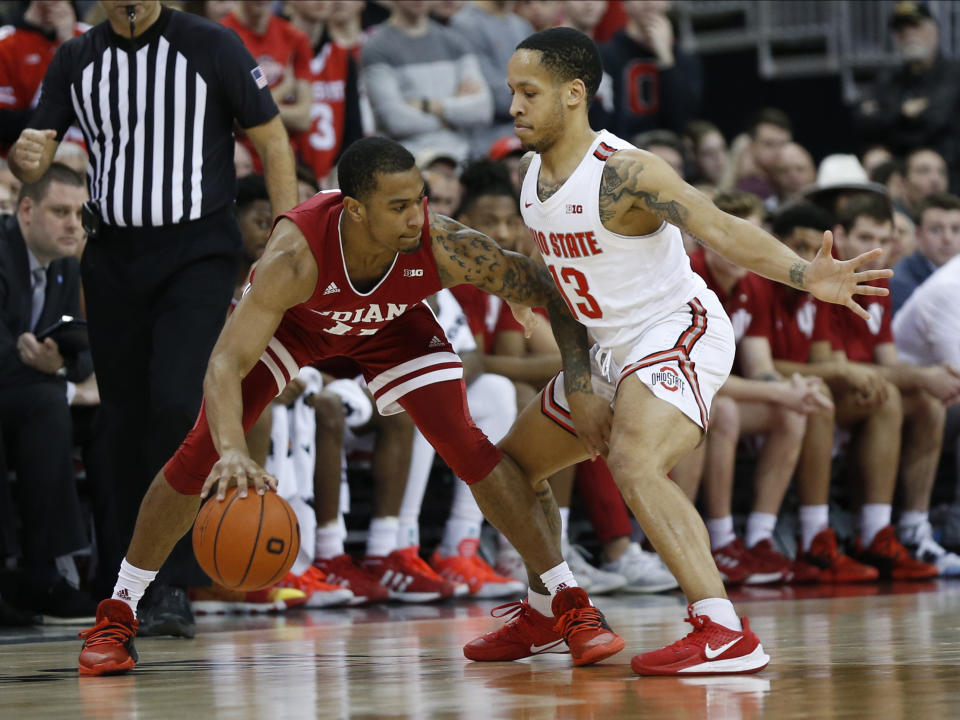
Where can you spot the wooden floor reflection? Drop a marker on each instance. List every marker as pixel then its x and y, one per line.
pixel 891 652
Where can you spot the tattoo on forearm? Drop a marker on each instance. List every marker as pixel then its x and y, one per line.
pixel 797 271
pixel 621 177
pixel 467 256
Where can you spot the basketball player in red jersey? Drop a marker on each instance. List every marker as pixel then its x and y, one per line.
pixel 344 275
pixel 607 218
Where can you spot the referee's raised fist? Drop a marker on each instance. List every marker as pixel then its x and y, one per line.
pixel 28 152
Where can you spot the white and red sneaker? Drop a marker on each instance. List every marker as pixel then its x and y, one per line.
pixel 408 578
pixel 319 592
pixel 468 567
pixel 709 649
pixel 737 566
pixel 526 633
pixel 344 571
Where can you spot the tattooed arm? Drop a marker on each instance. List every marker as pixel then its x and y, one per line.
pixel 464 255
pixel 638 184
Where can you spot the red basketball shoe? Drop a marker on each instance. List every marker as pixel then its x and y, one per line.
pixel 344 571
pixel 468 567
pixel 108 646
pixel 584 628
pixel 767 560
pixel 708 649
pixel 893 561
pixel 408 578
pixel 526 633
pixel 320 593
pixel 218 600
pixel 835 567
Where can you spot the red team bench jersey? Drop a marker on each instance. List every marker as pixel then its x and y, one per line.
pixel 859 338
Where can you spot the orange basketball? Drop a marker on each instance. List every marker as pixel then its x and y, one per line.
pixel 246 543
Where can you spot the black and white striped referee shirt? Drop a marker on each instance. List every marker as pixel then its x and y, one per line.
pixel 157 114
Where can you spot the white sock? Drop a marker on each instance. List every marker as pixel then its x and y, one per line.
pixel 760 527
pixel 813 519
pixel 558 578
pixel 382 536
pixel 421 460
pixel 463 524
pixel 874 517
pixel 541 603
pixel 910 522
pixel 565 522
pixel 131 584
pixel 721 531
pixel 720 610
pixel 329 540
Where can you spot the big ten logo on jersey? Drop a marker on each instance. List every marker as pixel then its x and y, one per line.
pixel 667 378
pixel 413 272
pixel 347 320
pixel 574 209
pixel 567 245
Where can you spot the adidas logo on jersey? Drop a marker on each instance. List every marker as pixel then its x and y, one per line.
pixel 436 342
pixel 331 288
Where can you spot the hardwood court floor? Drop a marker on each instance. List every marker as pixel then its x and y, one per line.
pixel 870 652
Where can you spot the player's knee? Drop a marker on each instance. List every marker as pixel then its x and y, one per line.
pixel 786 422
pixel 724 419
pixel 892 407
pixel 928 412
pixel 330 416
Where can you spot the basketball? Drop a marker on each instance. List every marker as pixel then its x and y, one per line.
pixel 246 543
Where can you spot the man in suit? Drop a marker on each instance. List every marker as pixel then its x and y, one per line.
pixel 39 283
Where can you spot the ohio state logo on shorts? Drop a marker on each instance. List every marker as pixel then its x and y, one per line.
pixel 667 378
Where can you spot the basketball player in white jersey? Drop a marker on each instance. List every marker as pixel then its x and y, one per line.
pixel 607 217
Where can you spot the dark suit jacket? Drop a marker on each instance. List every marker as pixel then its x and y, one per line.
pixel 908 274
pixel 16 297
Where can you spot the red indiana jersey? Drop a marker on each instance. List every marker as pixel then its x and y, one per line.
pixel 857 337
pixel 337 316
pixel 319 146
pixel 791 320
pixel 25 53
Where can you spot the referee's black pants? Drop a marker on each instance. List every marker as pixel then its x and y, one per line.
pixel 156 300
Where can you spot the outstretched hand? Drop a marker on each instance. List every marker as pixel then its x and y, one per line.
pixel 837 281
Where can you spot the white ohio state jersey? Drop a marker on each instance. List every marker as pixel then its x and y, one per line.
pixel 616 285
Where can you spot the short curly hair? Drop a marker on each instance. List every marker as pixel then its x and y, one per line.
pixel 568 54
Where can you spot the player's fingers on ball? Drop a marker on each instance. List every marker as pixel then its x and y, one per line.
pixel 242 484
pixel 222 487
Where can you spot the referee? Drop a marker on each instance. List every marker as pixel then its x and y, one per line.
pixel 156 93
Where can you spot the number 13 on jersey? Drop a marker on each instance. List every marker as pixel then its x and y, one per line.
pixel 570 279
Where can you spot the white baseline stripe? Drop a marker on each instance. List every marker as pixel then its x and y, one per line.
pixel 123 135
pixel 159 104
pixel 285 357
pixel 196 162
pixel 398 371
pixel 179 124
pixel 391 396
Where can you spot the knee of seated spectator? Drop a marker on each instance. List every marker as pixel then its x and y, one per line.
pixel 724 419
pixel 787 422
pixel 892 406
pixel 330 416
pixel 926 411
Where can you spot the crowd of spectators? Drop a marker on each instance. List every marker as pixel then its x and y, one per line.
pixel 431 75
